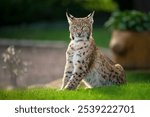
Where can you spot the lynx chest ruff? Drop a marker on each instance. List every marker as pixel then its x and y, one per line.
pixel 80 52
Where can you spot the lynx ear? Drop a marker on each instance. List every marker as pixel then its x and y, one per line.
pixel 90 16
pixel 69 17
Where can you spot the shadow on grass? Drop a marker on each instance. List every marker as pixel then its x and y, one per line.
pixel 138 76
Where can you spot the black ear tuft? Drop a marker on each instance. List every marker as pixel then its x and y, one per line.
pixel 91 14
pixel 69 17
pixel 90 17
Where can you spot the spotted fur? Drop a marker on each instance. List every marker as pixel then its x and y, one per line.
pixel 84 61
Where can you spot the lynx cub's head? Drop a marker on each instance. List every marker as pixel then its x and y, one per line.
pixel 80 28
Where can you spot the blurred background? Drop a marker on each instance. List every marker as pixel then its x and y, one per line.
pixel 40 30
pixel 36 19
pixel 14 12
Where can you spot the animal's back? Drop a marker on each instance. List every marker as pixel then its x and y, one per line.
pixel 104 72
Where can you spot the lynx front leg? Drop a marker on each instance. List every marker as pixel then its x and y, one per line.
pixel 67 74
pixel 78 74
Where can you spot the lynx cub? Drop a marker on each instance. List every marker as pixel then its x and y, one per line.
pixel 84 61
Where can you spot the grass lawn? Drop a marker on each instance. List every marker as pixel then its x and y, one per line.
pixel 137 87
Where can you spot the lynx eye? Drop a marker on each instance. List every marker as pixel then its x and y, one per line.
pixel 73 27
pixel 85 28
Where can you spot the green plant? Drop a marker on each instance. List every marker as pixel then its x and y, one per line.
pixel 129 20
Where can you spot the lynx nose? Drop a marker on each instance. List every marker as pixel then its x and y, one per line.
pixel 79 34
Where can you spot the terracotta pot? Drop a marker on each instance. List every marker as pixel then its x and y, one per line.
pixel 131 49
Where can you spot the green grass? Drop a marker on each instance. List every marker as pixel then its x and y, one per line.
pixel 48 32
pixel 137 87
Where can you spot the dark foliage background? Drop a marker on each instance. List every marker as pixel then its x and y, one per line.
pixel 27 11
